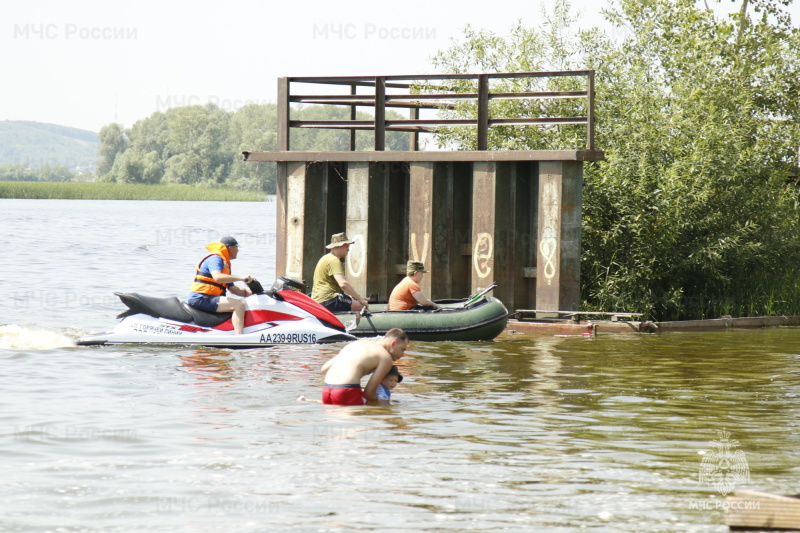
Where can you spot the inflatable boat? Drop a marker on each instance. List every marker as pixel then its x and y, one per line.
pixel 479 318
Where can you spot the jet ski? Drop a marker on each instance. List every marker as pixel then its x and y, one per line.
pixel 281 315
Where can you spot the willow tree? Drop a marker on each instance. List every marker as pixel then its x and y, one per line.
pixel 690 215
pixel 112 141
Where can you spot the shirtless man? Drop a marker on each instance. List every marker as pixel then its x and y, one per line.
pixel 343 373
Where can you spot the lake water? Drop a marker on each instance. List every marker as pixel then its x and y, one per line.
pixel 523 434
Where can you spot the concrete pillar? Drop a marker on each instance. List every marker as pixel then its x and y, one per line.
pixel 452 230
pixel 367 266
pixel 559 236
pixel 492 228
pixel 300 210
pixel 439 219
pixel 420 222
pixel 283 171
pixel 310 207
pixel 526 223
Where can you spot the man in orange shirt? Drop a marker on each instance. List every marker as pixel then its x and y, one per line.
pixel 407 294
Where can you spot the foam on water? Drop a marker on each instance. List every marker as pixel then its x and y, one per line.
pixel 16 337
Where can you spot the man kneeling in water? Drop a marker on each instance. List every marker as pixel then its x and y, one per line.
pixel 343 373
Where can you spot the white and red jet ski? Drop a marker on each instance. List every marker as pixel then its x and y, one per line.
pixel 279 316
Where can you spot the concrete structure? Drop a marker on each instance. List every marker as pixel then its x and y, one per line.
pixel 473 217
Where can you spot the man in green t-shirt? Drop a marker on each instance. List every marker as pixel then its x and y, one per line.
pixel 331 288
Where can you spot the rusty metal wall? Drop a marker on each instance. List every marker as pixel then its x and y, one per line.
pixel 516 223
pixel 559 241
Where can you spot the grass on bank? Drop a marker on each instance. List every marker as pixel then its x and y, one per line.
pixel 767 296
pixel 48 190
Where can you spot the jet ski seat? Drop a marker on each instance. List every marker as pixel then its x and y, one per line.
pixel 170 308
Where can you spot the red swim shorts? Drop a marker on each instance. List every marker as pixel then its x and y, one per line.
pixel 342 394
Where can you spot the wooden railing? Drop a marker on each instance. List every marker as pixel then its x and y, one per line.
pixel 402 92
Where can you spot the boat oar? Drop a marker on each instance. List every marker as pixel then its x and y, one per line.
pixel 364 312
pixel 478 296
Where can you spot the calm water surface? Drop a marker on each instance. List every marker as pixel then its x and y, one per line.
pixel 523 434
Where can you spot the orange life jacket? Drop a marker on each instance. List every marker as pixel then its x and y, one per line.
pixel 206 284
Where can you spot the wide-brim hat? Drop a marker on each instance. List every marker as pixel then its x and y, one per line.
pixel 415 266
pixel 338 239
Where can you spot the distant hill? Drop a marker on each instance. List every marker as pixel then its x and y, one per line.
pixel 36 144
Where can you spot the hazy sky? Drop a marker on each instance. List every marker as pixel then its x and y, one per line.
pixel 87 63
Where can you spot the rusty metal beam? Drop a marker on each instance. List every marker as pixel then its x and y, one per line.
pixel 413 138
pixel 395 99
pixel 559 236
pixel 380 114
pixel 396 124
pixel 542 120
pixel 483 112
pixel 421 220
pixel 283 114
pixel 369 80
pixel 590 112
pixel 389 103
pixel 369 213
pixel 398 156
pixel 353 91
pixel 428 100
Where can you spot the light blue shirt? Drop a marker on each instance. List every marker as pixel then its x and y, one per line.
pixel 384 393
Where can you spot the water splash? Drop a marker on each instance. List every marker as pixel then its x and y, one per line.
pixel 15 337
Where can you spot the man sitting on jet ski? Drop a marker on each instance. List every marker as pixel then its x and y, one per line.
pixel 213 279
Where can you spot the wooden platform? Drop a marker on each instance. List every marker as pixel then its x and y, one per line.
pixel 748 509
pixel 516 327
pixel 575 316
pixel 569 326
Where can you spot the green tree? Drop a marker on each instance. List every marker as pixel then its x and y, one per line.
pixel 128 168
pixel 203 145
pixel 689 215
pixel 151 135
pixel 253 127
pixel 197 134
pixel 112 142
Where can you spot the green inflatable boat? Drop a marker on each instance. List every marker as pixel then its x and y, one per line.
pixel 480 318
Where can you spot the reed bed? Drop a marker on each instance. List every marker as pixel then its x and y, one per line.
pixel 115 191
pixel 768 296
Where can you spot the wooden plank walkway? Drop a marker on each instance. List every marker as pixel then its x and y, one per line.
pixel 754 509
pixel 575 316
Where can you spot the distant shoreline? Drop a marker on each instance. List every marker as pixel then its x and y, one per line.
pixel 40 190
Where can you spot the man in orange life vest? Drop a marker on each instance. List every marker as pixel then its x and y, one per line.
pixel 214 278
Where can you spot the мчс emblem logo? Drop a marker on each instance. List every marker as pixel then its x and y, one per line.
pixel 725 467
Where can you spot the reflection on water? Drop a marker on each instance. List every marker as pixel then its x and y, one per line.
pixel 529 434
pixel 209 364
pixel 539 434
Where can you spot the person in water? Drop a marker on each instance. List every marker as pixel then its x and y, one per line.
pixel 331 288
pixel 213 280
pixel 343 372
pixel 407 294
pixel 389 383
pixel 384 389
